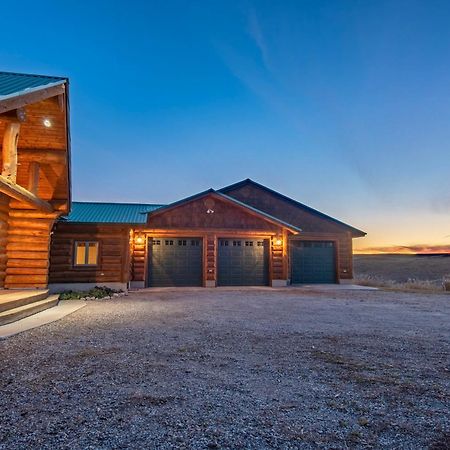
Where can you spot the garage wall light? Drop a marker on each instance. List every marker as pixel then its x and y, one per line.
pixel 47 123
pixel 140 239
pixel 278 241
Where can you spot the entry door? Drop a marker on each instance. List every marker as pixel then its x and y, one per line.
pixel 313 262
pixel 243 262
pixel 175 262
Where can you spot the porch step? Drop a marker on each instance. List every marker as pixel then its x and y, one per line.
pixel 13 299
pixel 11 315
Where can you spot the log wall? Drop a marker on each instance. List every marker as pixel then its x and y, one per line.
pixel 138 257
pixel 28 247
pixel 113 259
pixel 210 258
pixel 4 219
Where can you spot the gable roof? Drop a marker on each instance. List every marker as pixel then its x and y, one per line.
pixel 228 199
pixel 306 208
pixel 14 84
pixel 125 213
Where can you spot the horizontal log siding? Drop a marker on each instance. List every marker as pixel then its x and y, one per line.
pixel 4 218
pixel 210 256
pixel 113 258
pixel 28 247
pixel 277 260
pixel 139 259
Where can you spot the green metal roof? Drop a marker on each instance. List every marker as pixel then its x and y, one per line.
pixel 12 84
pixel 89 212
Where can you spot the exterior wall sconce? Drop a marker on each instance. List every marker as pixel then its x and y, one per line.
pixel 47 123
pixel 209 211
pixel 278 241
pixel 140 239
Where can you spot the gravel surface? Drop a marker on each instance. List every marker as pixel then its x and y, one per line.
pixel 233 368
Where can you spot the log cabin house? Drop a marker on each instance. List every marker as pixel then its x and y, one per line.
pixel 35 178
pixel 242 235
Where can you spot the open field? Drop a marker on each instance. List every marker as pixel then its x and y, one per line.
pixel 401 268
pixel 233 368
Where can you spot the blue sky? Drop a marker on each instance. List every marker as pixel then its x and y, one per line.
pixel 343 105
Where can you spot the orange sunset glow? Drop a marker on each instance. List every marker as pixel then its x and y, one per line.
pixel 405 232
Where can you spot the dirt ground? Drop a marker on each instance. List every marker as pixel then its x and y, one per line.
pixel 233 368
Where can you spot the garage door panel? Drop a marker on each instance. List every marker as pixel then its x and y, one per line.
pixel 175 262
pixel 243 262
pixel 313 262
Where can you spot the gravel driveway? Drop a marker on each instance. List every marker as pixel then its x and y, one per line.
pixel 233 368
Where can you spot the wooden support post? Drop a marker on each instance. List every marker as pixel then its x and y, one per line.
pixel 10 139
pixel 33 177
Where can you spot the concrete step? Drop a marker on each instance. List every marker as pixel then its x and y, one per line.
pixel 27 310
pixel 13 299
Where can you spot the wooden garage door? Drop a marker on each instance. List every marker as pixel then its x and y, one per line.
pixel 312 262
pixel 243 262
pixel 175 262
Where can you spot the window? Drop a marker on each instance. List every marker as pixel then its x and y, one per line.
pixel 86 253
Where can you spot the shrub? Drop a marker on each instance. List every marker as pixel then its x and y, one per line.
pixel 96 292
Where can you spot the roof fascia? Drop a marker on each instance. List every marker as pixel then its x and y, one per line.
pixel 32 95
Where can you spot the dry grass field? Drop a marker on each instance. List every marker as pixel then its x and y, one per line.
pixel 421 271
